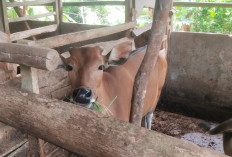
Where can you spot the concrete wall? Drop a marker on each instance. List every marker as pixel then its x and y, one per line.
pixel 200 71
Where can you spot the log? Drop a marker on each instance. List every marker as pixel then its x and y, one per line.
pixel 160 18
pixel 70 38
pixel 41 58
pixel 86 132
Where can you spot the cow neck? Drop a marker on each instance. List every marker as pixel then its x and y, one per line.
pixel 135 52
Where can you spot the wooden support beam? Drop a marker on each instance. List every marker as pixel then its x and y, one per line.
pixel 202 4
pixel 94 3
pixel 128 11
pixel 71 38
pixel 1 19
pixel 60 12
pixel 41 58
pixel 29 82
pixel 26 18
pixel 32 32
pixel 86 132
pixel 29 3
pixel 158 31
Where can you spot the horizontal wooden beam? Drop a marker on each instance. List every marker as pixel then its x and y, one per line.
pixel 31 17
pixel 32 32
pixel 37 57
pixel 71 38
pixel 86 132
pixel 202 4
pixel 29 3
pixel 93 3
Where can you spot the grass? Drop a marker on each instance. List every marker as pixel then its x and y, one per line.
pixel 97 107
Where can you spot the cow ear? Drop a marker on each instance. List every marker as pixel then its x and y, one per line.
pixel 119 54
pixel 64 57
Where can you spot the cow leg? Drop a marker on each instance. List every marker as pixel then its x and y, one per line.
pixel 147 120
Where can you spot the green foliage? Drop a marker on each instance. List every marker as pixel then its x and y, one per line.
pixel 143 19
pixel 215 20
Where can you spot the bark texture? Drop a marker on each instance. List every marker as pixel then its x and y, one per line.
pixel 86 132
pixel 158 31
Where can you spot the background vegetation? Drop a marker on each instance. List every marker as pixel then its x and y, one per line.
pixel 197 19
pixel 215 20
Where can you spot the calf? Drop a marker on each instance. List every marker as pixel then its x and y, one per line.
pixel 100 77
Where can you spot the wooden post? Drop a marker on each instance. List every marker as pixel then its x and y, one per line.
pixel 86 132
pixel 128 11
pixel 57 15
pixel 5 17
pixel 1 18
pixel 29 82
pixel 160 18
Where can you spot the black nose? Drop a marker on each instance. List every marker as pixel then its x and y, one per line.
pixel 82 95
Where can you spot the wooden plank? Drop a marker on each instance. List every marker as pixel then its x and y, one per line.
pixel 70 38
pixel 13 148
pixel 5 17
pixel 94 3
pixel 10 139
pixel 202 4
pixel 29 3
pixel 86 132
pixel 32 32
pixel 22 151
pixel 26 18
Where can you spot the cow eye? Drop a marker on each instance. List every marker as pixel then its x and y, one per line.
pixel 101 67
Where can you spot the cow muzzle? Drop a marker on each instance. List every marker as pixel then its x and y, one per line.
pixel 83 96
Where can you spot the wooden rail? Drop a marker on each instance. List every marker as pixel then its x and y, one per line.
pixel 93 3
pixel 31 17
pixel 202 4
pixel 29 3
pixel 32 32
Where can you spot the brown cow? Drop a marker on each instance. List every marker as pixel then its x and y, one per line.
pixel 7 70
pixel 102 78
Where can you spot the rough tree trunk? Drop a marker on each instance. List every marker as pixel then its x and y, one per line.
pixel 86 132
pixel 158 30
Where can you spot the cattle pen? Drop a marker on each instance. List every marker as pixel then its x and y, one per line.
pixel 36 122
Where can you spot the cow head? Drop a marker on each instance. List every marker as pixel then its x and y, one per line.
pixel 86 67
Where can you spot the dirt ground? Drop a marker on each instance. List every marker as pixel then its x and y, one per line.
pixel 185 128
